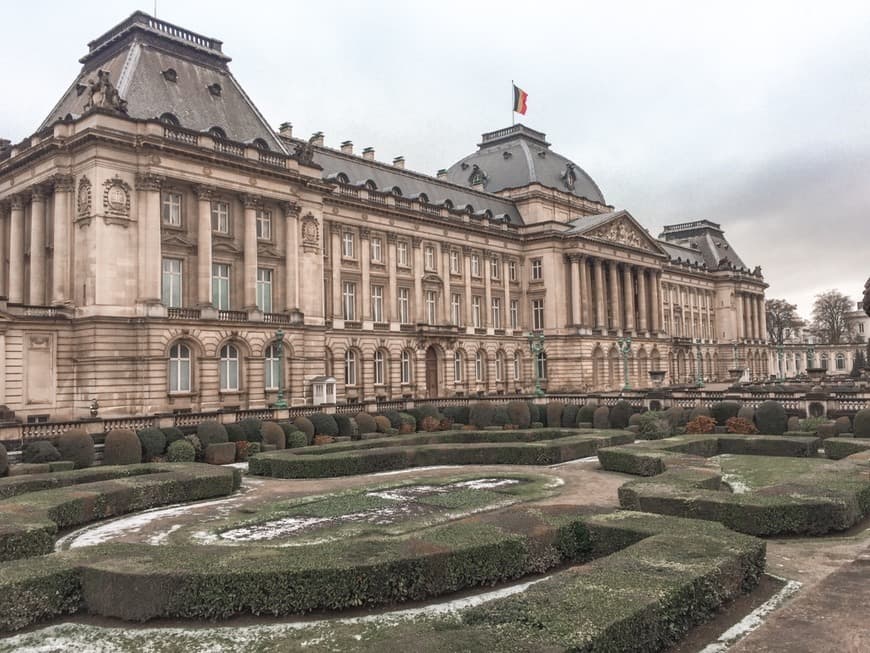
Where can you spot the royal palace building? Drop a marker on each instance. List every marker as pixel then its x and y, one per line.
pixel 157 238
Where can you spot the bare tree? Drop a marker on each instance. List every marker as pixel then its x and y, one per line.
pixel 780 316
pixel 829 317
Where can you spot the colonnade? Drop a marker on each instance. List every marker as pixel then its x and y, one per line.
pixel 751 318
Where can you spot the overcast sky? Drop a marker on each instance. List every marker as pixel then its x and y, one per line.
pixel 755 115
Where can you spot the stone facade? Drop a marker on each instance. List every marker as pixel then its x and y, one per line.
pixel 150 250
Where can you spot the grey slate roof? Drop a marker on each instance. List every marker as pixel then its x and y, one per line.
pixel 137 52
pixel 517 156
pixel 385 177
pixel 704 241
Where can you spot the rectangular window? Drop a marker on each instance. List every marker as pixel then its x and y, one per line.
pixel 512 270
pixel 475 311
pixel 458 364
pixel 402 253
pixel 475 265
pixel 405 366
pixel 455 262
pixel 376 250
pixel 537 269
pixel 404 304
pixel 431 304
pixel 496 313
pixel 494 272
pixel 515 314
pixel 429 258
pixel 537 314
pixel 456 309
pixel 264 224
pixel 171 209
pixel 347 245
pixel 348 294
pixel 379 368
pixel 378 303
pixel 172 282
pixel 220 286
pixel 264 290
pixel 220 217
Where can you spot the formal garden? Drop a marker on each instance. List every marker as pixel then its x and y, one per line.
pixel 513 526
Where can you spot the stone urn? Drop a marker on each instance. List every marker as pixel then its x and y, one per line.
pixel 816 374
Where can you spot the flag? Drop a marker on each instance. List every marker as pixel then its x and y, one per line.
pixel 520 98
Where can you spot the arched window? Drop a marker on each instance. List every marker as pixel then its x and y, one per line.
pixel 458 366
pixel 406 367
pixel 518 366
pixel 342 178
pixel 841 362
pixel 371 185
pixel 272 368
pixel 179 368
pixel 479 367
pixel 350 367
pixel 378 367
pixel 824 361
pixel 218 133
pixel 260 144
pixel 170 119
pixel 448 204
pixel 229 368
pixel 395 190
pixel 499 366
pixel 541 364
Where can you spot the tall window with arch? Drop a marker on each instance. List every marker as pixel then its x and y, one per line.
pixel 541 364
pixel 229 368
pixel 272 368
pixel 479 367
pixel 378 365
pixel 179 368
pixel 518 366
pixel 500 364
pixel 350 363
pixel 458 366
pixel 406 367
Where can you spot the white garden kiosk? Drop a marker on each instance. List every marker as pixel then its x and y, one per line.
pixel 323 390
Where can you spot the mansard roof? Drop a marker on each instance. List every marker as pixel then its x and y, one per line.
pixel 158 68
pixel 702 242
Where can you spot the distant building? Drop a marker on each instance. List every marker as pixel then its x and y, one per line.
pixel 156 233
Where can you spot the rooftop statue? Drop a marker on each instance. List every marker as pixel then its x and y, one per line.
pixel 102 93
pixel 867 297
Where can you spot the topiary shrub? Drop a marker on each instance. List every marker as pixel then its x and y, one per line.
pixel 676 416
pixel 345 428
pixel 701 424
pixel 304 424
pixel 180 451
pixel 770 418
pixel 296 439
pixel 519 414
pixel 324 424
pixel 741 426
pixel 212 433
pixel 428 410
pixel 535 414
pixel 430 424
pixel 194 442
pixel 569 416
pixel 723 410
pixel 585 414
pixel 273 434
pixel 122 447
pixel 843 425
pixel 153 443
pixel 459 414
pixel 537 425
pixel 257 447
pixel 601 418
pixel 794 423
pixel 251 427
pixel 395 419
pixel 4 461
pixel 654 425
pixel 481 414
pixel 554 413
pixel 78 446
pixel 235 433
pixel 699 411
pixel 810 425
pixel 407 423
pixel 39 452
pixel 382 423
pixel 620 414
pixel 366 423
pixel 288 428
pixel 172 433
pixel 747 413
pixel 501 417
pixel 861 423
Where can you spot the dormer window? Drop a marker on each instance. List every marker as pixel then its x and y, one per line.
pixel 170 119
pixel 215 89
pixel 396 191
pixel 260 144
pixel 477 177
pixel 370 185
pixel 342 178
pixel 218 133
pixel 170 75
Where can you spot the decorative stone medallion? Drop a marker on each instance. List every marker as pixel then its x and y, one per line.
pixel 310 232
pixel 83 198
pixel 116 197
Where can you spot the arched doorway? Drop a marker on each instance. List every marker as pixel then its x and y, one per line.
pixel 432 372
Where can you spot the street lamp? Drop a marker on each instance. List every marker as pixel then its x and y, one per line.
pixel 536 346
pixel 811 356
pixel 779 351
pixel 624 346
pixel 699 365
pixel 734 353
pixel 280 402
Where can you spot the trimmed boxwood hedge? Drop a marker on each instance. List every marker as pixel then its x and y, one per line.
pixel 838 448
pixel 40 451
pixel 76 445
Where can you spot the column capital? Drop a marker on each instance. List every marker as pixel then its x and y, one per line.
pixel 38 192
pixel 16 202
pixel 416 241
pixel 63 183
pixel 251 201
pixel 392 236
pixel 203 192
pixel 364 233
pixel 290 209
pixel 468 250
pixel 149 181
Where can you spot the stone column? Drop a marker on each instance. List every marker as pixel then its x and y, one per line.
pixel 390 308
pixel 506 283
pixel 150 264
pixel 60 261
pixel 585 298
pixel 574 315
pixel 418 313
pixel 447 290
pixel 203 246
pixel 615 308
pixel 337 311
pixel 747 317
pixel 16 251
pixel 628 288
pixel 365 259
pixel 291 255
pixel 656 301
pixel 763 314
pixel 600 314
pixel 36 296
pixel 466 251
pixel 4 247
pixel 251 204
pixel 753 306
pixel 738 305
pixel 642 309
pixel 486 313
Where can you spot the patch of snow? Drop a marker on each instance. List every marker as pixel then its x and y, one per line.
pixel 588 459
pixel 414 469
pixel 160 538
pixel 753 620
pixel 242 465
pixel 737 486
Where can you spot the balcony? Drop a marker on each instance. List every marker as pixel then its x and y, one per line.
pixel 183 313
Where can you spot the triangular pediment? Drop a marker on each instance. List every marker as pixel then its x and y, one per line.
pixel 617 228
pixel 225 247
pixel 268 251
pixel 176 240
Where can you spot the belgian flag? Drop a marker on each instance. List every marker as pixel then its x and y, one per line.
pixel 520 98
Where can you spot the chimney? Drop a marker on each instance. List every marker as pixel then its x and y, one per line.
pixel 347 147
pixel 286 130
pixel 399 162
pixel 369 154
pixel 442 174
pixel 317 139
